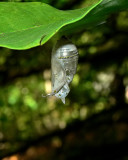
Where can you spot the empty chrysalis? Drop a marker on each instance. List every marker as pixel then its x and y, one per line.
pixel 64 65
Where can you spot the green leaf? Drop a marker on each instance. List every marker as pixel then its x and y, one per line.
pixel 97 15
pixel 24 25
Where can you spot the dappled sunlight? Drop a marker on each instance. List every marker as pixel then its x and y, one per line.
pixel 62 124
pixel 99 107
pixel 11 158
pixel 103 82
pixel 51 102
pixel 47 74
pixel 92 50
pixel 14 95
pixel 47 78
pixel 30 102
pixel 76 80
pixel 48 86
pixel 126 94
pixel 83 112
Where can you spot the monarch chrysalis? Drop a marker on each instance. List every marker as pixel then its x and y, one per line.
pixel 64 64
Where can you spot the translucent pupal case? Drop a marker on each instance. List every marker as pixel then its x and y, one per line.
pixel 64 65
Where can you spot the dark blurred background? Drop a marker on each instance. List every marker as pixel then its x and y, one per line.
pixel 93 124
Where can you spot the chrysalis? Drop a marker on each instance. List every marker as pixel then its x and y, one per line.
pixel 64 64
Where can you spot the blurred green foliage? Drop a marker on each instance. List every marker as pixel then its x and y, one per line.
pixel 101 84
